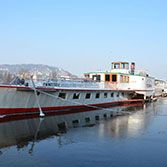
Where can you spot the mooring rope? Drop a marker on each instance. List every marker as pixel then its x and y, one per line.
pixel 87 105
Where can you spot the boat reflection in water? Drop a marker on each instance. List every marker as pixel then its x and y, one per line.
pixel 22 132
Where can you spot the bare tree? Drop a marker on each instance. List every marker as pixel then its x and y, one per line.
pixel 54 74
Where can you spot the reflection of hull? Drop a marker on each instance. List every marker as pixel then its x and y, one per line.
pixel 117 109
pixel 21 131
pixel 16 100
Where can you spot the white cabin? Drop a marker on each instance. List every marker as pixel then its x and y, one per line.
pixel 121 77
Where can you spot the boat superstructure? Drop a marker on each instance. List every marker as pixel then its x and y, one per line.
pixel 121 77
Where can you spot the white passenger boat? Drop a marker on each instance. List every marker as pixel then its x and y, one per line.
pixel 98 90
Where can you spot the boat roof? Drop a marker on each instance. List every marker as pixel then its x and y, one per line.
pixel 123 62
pixel 109 72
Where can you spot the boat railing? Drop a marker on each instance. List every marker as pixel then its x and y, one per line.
pixel 71 83
pixel 80 84
pixel 68 83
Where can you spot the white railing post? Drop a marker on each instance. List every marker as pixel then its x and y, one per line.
pixel 35 91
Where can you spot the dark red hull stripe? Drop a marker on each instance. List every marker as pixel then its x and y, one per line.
pixel 5 111
pixel 23 116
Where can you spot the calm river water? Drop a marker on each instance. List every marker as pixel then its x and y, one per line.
pixel 89 139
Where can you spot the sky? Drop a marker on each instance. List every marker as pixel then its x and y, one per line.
pixel 85 35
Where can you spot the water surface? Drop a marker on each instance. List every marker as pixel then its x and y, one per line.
pixel 88 139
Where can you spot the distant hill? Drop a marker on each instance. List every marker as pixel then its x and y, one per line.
pixel 17 68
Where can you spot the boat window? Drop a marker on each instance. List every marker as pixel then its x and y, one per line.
pixel 97 117
pixel 97 95
pixel 117 66
pixel 87 76
pixel 105 95
pixel 117 94
pixel 96 77
pixel 112 94
pixel 88 95
pixel 123 93
pixel 122 66
pixel 121 78
pixel 107 77
pixel 76 95
pixel 128 80
pixel 87 119
pixel 114 78
pixel 127 65
pixel 125 79
pixel 62 95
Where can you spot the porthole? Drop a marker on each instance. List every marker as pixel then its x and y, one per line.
pixel 105 95
pixel 76 95
pixel 62 95
pixel 97 95
pixel 88 96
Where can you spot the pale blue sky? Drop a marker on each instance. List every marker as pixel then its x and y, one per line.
pixel 85 35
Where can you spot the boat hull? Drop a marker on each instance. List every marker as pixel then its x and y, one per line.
pixel 21 100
